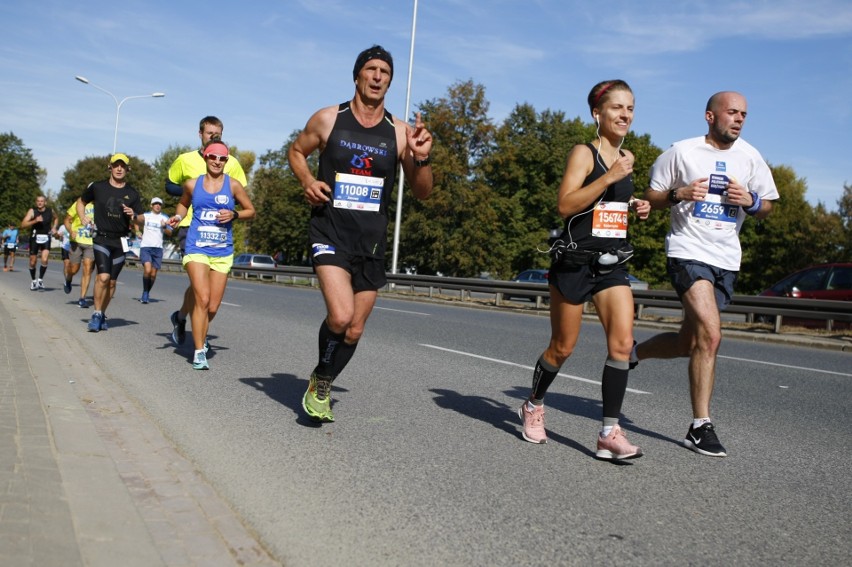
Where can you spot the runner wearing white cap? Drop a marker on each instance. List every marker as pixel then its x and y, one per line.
pixel 151 247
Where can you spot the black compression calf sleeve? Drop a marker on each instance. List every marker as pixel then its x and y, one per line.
pixel 329 345
pixel 543 377
pixel 613 386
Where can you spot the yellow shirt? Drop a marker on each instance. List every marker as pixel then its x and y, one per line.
pixel 190 165
pixel 79 233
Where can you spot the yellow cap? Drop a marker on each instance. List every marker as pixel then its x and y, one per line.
pixel 119 157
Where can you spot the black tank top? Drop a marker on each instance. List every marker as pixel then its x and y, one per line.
pixel 579 227
pixel 46 223
pixel 360 165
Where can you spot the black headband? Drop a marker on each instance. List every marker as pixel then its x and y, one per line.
pixel 375 52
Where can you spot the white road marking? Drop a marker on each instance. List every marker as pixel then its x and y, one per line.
pixel 231 304
pixel 403 311
pixel 506 362
pixel 786 365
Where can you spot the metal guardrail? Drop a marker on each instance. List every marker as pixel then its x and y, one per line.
pixel 773 309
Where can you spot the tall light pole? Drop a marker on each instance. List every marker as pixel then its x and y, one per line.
pixel 395 254
pixel 118 104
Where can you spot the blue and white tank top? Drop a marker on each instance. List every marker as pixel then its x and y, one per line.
pixel 206 235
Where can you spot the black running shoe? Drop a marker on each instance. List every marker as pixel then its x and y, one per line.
pixel 178 329
pixel 704 441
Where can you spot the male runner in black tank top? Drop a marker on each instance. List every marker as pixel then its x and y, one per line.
pixel 40 222
pixel 361 146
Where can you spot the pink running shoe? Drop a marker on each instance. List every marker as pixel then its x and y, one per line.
pixel 533 423
pixel 615 446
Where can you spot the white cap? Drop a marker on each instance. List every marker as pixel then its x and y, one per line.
pixel 156 200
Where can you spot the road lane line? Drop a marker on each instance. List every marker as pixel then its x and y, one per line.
pixel 231 304
pixel 786 365
pixel 403 311
pixel 525 367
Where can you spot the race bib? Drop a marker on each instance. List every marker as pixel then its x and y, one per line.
pixel 715 211
pixel 358 192
pixel 212 236
pixel 10 245
pixel 609 220
pixel 42 238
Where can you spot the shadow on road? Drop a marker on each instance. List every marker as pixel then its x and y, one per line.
pixel 504 417
pixel 287 390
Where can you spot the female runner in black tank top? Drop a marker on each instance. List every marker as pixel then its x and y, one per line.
pixel 595 197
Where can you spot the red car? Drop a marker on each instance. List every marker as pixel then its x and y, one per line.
pixel 823 281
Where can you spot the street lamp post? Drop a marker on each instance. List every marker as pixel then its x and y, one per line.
pixel 398 220
pixel 118 104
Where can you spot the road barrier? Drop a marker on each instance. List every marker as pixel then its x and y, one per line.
pixel 773 310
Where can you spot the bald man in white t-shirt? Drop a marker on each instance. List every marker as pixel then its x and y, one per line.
pixel 711 184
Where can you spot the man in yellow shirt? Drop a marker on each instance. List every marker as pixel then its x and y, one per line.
pixel 191 165
pixel 81 250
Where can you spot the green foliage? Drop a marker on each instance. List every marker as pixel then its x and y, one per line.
pixel 794 236
pixel 282 212
pixel 459 230
pixel 155 184
pixel 20 179
pixel 844 205
pixel 95 168
pixel 493 205
pixel 526 168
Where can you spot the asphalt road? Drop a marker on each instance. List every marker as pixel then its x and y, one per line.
pixel 425 464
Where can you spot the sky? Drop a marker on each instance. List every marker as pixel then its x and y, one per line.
pixel 265 66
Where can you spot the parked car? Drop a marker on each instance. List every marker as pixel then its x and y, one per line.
pixel 528 276
pixel 823 281
pixel 254 261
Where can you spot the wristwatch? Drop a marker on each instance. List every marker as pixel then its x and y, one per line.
pixel 673 197
pixel 423 162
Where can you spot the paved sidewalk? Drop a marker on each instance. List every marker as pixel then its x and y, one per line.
pixel 86 477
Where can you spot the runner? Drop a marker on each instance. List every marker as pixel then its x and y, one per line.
pixel 209 241
pixel 82 252
pixel 590 263
pixel 711 184
pixel 151 247
pixel 41 222
pixel 10 247
pixel 361 146
pixel 191 165
pixel 116 205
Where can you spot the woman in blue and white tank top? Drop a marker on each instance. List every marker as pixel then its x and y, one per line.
pixel 210 239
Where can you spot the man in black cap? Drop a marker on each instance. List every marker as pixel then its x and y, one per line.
pixel 361 147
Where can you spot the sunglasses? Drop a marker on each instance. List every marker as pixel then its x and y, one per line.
pixel 214 157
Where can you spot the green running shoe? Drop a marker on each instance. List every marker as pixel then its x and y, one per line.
pixel 317 400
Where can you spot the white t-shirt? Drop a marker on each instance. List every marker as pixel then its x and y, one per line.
pixel 63 234
pixel 152 235
pixel 708 231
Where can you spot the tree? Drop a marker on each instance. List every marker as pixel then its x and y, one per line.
pixel 94 168
pixel 20 179
pixel 844 207
pixel 794 236
pixel 457 231
pixel 282 213
pixel 526 168
pixel 648 237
